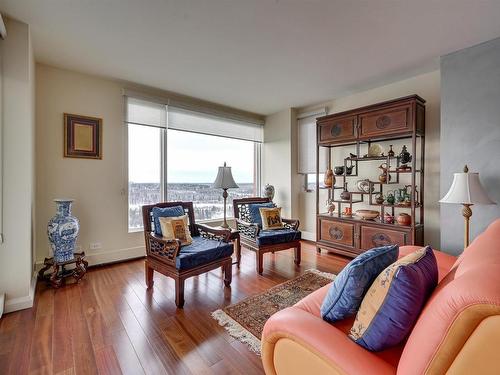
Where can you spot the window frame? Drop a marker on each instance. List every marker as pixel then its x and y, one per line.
pixel 164 172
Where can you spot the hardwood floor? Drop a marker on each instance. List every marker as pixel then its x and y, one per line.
pixel 110 323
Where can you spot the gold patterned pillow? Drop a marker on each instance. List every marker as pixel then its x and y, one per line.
pixel 176 228
pixel 271 218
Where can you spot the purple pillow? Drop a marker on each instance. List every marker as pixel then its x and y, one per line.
pixel 393 303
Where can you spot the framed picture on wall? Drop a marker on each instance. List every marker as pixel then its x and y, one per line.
pixel 82 137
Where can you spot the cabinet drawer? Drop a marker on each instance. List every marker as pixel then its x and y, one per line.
pixel 336 232
pixel 388 120
pixel 338 129
pixel 373 237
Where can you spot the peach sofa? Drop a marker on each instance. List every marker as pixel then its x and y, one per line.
pixel 458 332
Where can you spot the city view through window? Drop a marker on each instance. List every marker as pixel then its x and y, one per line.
pixel 192 165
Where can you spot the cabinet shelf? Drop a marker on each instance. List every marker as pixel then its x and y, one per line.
pixel 371 158
pixel 394 205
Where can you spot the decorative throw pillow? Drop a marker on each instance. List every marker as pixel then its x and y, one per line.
pixel 271 218
pixel 253 210
pixel 165 212
pixel 176 228
pixel 349 287
pixel 394 301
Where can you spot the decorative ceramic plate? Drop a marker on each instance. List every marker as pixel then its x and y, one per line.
pixel 367 214
pixel 364 186
pixel 375 150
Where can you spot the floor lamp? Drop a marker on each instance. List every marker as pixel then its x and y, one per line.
pixel 224 181
pixel 466 189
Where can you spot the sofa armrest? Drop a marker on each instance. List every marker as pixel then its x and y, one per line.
pixel 322 341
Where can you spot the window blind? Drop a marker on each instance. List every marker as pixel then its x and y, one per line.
pixel 143 112
pixel 307 144
pixel 196 122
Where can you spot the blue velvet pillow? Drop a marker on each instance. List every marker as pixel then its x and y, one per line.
pixel 394 301
pixel 253 210
pixel 349 287
pixel 165 212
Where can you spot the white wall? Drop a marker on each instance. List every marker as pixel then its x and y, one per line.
pixel 428 87
pixel 99 187
pixel 277 158
pixel 16 252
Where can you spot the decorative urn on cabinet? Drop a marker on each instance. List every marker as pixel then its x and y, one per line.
pixel 62 231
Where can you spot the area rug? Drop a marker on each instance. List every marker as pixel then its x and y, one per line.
pixel 245 320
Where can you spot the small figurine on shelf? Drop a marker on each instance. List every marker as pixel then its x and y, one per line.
pixel 345 195
pixel 388 218
pixel 390 198
pixel 405 158
pixel 379 198
pixel 404 219
pixel 390 153
pixel 339 170
pixel 329 179
pixel 384 177
pixel 347 212
pixel 330 206
pixel 348 170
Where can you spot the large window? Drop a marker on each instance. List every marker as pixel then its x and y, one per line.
pixel 180 162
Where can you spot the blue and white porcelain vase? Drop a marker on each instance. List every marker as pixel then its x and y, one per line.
pixel 63 231
pixel 269 191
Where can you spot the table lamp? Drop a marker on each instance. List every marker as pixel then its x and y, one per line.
pixel 466 189
pixel 224 181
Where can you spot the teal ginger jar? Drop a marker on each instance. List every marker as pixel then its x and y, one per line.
pixel 62 231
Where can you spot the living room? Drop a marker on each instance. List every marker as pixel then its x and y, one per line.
pixel 203 187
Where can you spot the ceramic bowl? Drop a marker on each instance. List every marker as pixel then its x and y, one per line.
pixel 367 214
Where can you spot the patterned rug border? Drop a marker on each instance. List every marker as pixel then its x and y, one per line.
pixel 239 332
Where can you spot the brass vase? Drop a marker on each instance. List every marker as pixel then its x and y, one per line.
pixel 329 179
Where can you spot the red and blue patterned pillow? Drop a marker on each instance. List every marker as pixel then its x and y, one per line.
pixel 393 303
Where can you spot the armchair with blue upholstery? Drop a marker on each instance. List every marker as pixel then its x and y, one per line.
pixel 209 250
pixel 253 237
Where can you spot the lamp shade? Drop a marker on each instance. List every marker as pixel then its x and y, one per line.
pixel 466 189
pixel 224 179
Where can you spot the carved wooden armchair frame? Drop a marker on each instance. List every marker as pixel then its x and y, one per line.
pixel 161 254
pixel 250 231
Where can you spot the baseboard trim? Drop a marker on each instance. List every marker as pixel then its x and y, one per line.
pixel 311 236
pixel 110 256
pixel 24 302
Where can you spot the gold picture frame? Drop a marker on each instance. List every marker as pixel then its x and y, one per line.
pixel 82 137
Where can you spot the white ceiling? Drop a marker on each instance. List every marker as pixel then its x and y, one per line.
pixel 257 55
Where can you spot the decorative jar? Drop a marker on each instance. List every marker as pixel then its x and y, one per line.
pixel 62 231
pixel 269 191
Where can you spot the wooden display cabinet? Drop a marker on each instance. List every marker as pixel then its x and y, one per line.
pixel 399 119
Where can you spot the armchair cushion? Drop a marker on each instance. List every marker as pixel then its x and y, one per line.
pixel 275 236
pixel 202 251
pixel 254 212
pixel 164 212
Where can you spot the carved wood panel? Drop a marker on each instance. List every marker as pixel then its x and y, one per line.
pixel 387 120
pixel 337 232
pixel 338 129
pixel 374 237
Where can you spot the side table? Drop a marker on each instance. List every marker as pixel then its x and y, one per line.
pixel 60 273
pixel 235 239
